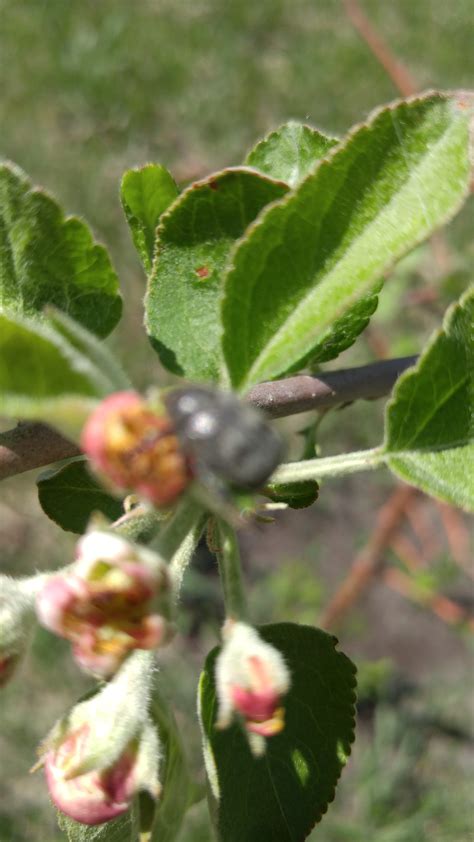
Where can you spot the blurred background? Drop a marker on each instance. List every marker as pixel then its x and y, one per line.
pixel 91 88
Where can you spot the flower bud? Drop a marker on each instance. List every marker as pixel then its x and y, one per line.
pixel 251 678
pixel 104 602
pixel 105 751
pixel 136 448
pixel 16 622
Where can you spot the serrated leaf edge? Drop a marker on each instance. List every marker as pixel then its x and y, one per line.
pixel 414 369
pixel 325 161
pixel 65 219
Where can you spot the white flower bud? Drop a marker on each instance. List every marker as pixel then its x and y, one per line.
pixel 251 677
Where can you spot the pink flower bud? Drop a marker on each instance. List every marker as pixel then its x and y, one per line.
pixel 96 796
pixel 104 603
pixel 251 678
pixel 106 749
pixel 135 448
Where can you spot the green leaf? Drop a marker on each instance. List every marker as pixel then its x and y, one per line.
pixel 430 419
pixel 279 797
pixel 69 495
pixel 47 258
pixel 309 267
pixel 297 495
pixel 94 349
pixel 118 830
pixel 176 781
pixel 146 193
pixel 290 152
pixel 184 290
pixel 447 474
pixel 43 377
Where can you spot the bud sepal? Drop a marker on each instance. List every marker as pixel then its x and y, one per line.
pixel 17 620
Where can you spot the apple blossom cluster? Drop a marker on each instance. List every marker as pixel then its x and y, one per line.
pixel 114 604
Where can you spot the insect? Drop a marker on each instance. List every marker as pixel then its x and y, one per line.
pixel 199 433
pixel 223 438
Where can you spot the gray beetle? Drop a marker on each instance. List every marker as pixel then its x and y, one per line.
pixel 223 438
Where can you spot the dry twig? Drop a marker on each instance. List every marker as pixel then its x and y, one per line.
pixel 397 72
pixel 371 558
pixel 445 609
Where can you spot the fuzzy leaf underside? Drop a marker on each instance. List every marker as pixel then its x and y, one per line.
pixel 309 267
pixel 43 377
pixel 283 794
pixel 49 259
pixel 92 348
pixel 118 830
pixel 447 474
pixel 430 419
pixel 184 289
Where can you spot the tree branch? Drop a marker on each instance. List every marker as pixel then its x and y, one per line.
pixel 370 560
pixel 333 388
pixel 398 73
pixel 34 445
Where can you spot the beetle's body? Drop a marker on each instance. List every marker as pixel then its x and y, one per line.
pixel 224 437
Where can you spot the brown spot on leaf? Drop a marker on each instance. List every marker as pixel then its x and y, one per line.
pixel 213 185
pixel 202 272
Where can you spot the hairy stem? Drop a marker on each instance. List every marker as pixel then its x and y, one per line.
pixel 330 466
pixel 184 554
pixel 230 569
pixel 185 519
pixel 140 524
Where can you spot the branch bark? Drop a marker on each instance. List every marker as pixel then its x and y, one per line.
pixel 34 445
pixel 334 388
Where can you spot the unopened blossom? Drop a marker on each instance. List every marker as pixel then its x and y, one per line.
pixel 136 448
pixel 16 621
pixel 107 602
pixel 104 752
pixel 251 678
